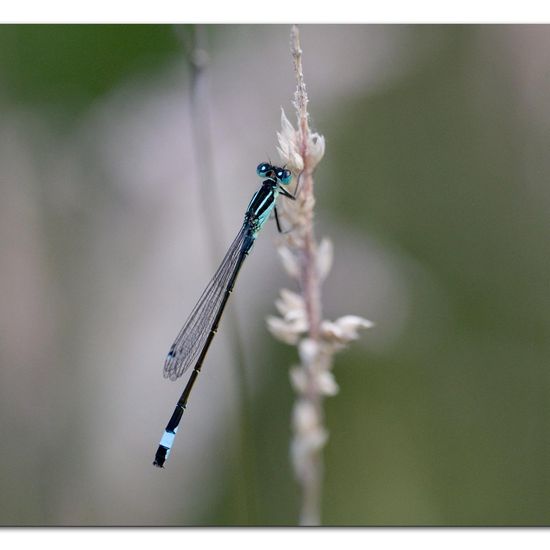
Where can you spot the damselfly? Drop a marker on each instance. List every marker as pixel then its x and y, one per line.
pixel 192 343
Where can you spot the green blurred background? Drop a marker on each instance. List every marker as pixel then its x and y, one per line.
pixel 434 190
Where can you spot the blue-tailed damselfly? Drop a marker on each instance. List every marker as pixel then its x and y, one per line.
pixel 192 343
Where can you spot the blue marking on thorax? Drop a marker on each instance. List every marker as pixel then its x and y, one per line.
pixel 264 215
pixel 252 201
pixel 261 205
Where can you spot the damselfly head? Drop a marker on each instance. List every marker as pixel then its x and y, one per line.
pixel 266 170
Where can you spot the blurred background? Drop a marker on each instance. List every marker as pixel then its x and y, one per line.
pixel 434 190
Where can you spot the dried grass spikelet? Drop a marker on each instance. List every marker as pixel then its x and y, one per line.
pixel 300 320
pixel 308 263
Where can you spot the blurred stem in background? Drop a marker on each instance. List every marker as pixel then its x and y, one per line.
pixel 194 41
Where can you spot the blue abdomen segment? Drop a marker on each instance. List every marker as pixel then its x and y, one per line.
pixel 167 440
pixel 164 448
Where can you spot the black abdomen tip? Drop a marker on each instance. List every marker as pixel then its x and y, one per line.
pixel 160 457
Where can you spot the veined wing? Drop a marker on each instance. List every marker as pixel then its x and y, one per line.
pixel 192 337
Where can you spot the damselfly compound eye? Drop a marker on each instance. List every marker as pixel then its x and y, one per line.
pixel 263 169
pixel 284 176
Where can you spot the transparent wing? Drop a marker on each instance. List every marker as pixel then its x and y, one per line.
pixel 191 339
